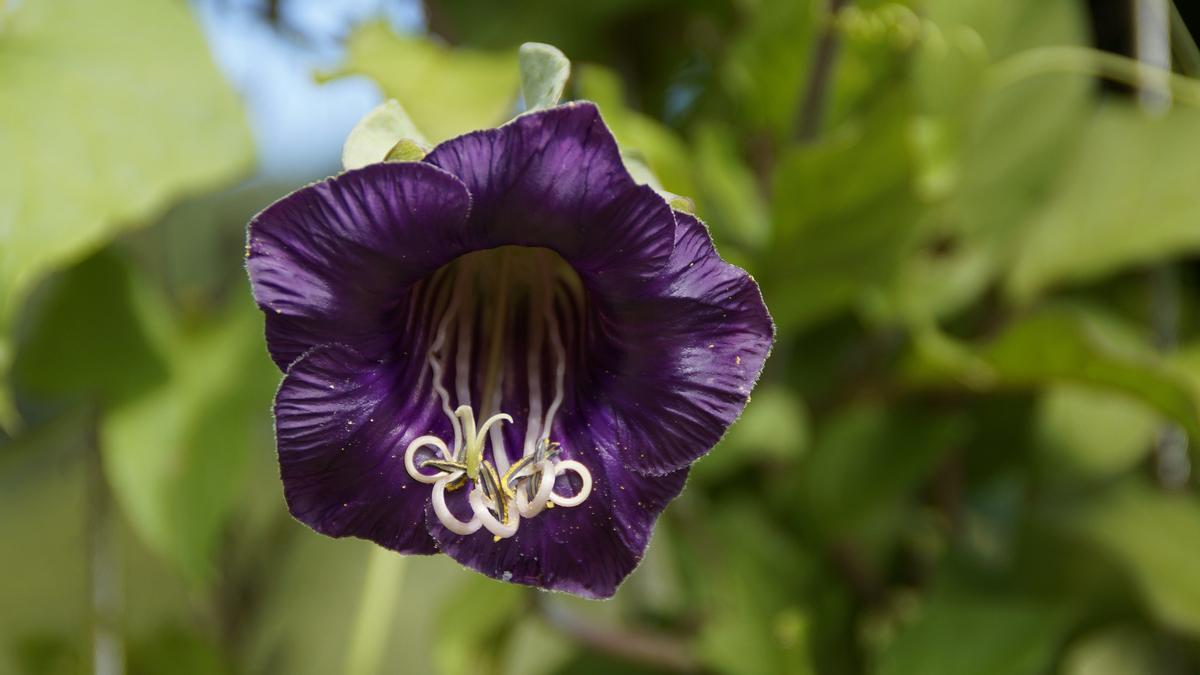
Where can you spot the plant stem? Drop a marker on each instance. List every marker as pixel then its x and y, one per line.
pixel 657 651
pixel 1093 62
pixel 376 609
pixel 104 557
pixel 816 90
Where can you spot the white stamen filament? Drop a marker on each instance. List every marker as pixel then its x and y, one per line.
pixel 498 453
pixel 484 514
pixel 533 430
pixel 584 490
pixel 560 369
pixel 484 476
pixel 529 509
pixel 410 457
pixel 438 499
pixel 436 365
pixel 462 365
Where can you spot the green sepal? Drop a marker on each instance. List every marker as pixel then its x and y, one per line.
pixel 544 73
pixel 386 133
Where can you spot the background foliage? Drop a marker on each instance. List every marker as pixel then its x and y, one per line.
pixel 972 450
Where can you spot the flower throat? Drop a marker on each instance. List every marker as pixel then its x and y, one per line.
pixel 503 318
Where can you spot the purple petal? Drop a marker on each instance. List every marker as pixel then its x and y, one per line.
pixel 330 262
pixel 692 350
pixel 555 179
pixel 342 425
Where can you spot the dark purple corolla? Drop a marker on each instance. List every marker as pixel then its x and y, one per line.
pixel 509 352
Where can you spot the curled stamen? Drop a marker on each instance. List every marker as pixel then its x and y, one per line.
pixel 483 513
pixel 438 499
pixel 584 490
pixel 410 456
pixel 497 502
pixel 533 499
pixel 483 429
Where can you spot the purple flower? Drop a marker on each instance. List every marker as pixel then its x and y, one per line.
pixel 509 352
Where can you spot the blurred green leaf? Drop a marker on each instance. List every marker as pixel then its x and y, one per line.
pixel 176 454
pixel 447 92
pixel 48 655
pixel 968 632
pixel 767 65
pixel 727 192
pixel 988 158
pixel 845 215
pixel 87 341
pixel 101 127
pixel 1062 344
pixel 177 650
pixel 579 27
pixel 1129 199
pixel 477 619
pixel 638 134
pixel 44 507
pixel 774 430
pixel 756 622
pixel 1118 650
pixel 1092 432
pixel 866 460
pixel 1154 536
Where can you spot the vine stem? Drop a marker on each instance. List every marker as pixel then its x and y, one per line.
pixel 657 651
pixel 816 90
pixel 1153 30
pixel 104 558
pixel 1085 61
pixel 376 610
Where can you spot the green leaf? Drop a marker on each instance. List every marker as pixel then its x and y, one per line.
pixel 101 127
pixel 477 619
pixel 767 64
pixel 447 92
pixel 845 215
pixel 967 632
pixel 865 463
pixel 1119 650
pixel 115 361
pixel 988 159
pixel 757 622
pixel 544 73
pixel 379 133
pixel 1062 345
pixel 1093 433
pixel 178 650
pixel 176 454
pixel 44 505
pixel 774 430
pixel 727 192
pixel 1129 199
pixel 1154 536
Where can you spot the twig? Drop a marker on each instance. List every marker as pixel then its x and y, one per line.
pixel 1172 464
pixel 816 90
pixel 104 556
pixel 658 651
pixel 376 610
